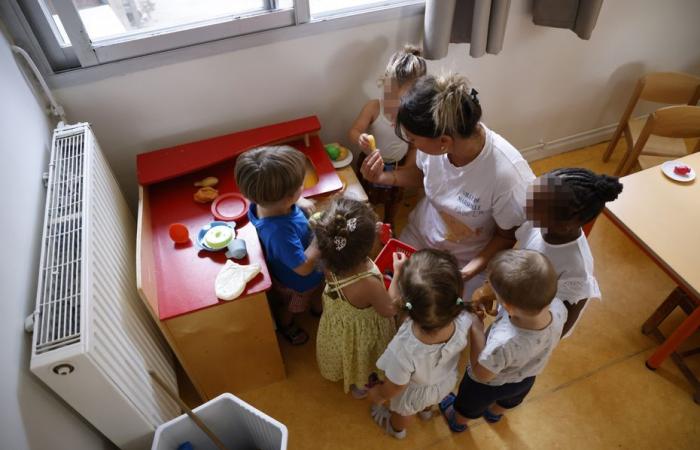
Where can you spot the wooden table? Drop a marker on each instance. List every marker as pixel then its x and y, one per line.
pixel 662 217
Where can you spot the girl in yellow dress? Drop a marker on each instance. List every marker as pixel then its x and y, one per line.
pixel 358 314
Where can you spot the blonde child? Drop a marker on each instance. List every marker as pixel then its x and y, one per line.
pixel 503 366
pixel 272 178
pixel 420 363
pixel 559 204
pixel 377 121
pixel 357 321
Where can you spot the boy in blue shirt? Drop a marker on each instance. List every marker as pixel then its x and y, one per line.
pixel 273 178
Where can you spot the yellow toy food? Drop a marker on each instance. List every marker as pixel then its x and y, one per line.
pixel 205 195
pixel 372 143
pixel 207 182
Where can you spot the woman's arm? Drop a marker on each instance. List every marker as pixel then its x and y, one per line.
pixel 357 132
pixel 407 176
pixel 501 240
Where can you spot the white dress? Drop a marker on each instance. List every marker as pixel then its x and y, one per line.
pixel 572 261
pixel 430 371
pixel 463 205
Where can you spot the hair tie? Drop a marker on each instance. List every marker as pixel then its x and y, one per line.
pixel 340 243
pixel 473 95
pixel 409 306
pixel 351 224
pixel 459 301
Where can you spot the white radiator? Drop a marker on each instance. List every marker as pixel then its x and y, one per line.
pixel 93 339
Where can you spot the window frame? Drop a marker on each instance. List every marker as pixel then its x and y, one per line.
pixel 121 55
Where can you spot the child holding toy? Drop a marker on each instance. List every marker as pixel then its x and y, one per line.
pixel 559 204
pixel 272 178
pixel 357 322
pixel 505 361
pixel 421 361
pixel 374 127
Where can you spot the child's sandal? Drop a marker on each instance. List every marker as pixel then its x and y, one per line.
pixel 294 334
pixel 447 402
pixel 491 417
pixel 451 417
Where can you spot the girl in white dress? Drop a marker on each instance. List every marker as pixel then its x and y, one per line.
pixel 420 363
pixel 475 181
pixel 559 204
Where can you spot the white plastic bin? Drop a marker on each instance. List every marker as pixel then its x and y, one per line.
pixel 236 423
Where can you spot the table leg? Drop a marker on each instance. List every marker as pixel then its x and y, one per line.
pixel 681 333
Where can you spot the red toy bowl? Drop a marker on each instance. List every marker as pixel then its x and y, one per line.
pixel 179 233
pixel 231 206
pixel 385 260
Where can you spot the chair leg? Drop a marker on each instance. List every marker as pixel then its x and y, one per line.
pixel 670 345
pixel 666 308
pixel 613 142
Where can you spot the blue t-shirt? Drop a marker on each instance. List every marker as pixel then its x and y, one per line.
pixel 284 239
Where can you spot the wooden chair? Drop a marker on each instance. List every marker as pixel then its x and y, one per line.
pixel 659 87
pixel 669 347
pixel 678 122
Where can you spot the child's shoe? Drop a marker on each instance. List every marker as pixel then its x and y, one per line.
pixel 426 414
pixel 382 417
pixel 491 417
pixel 358 393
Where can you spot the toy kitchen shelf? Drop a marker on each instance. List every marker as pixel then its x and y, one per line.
pixel 222 346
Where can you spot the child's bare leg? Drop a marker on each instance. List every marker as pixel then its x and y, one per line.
pixel 460 419
pixel 574 311
pixel 497 409
pixel 317 305
pixel 399 422
pixel 284 317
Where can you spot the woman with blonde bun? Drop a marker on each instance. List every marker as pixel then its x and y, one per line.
pixel 475 181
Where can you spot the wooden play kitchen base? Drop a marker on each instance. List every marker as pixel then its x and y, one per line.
pixel 222 346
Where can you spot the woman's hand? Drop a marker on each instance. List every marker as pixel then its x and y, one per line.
pixel 363 142
pixel 399 261
pixel 373 169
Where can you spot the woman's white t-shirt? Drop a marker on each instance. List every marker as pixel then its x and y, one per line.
pixel 462 205
pixel 572 261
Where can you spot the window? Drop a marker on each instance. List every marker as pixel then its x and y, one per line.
pixel 83 33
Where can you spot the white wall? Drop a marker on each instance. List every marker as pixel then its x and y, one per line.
pixel 545 84
pixel 31 417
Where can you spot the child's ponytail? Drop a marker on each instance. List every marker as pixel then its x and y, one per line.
pixel 345 233
pixel 406 65
pixel 589 191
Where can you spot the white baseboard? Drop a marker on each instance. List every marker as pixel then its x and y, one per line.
pixel 568 143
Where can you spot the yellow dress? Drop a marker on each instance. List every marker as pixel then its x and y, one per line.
pixel 349 339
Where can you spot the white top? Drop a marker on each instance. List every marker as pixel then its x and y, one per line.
pixel 462 205
pixel 406 358
pixel 389 145
pixel 515 353
pixel 572 261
